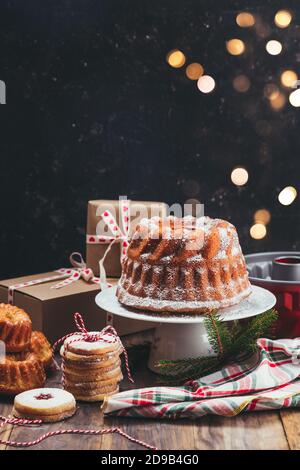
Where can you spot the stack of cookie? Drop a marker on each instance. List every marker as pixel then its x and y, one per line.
pixel 91 369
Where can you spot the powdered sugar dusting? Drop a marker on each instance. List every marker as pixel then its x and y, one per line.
pixel 194 233
pixel 149 303
pixel 167 275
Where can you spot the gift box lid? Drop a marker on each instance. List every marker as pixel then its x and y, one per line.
pixel 44 292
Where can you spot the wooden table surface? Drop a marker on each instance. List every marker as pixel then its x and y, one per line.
pixel 258 430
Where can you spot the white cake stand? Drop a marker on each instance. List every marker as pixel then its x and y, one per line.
pixel 183 335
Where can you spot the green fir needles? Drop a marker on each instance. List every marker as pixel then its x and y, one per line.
pixel 229 341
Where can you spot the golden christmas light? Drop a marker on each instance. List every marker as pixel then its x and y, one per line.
pixel 283 18
pixel 294 98
pixel 278 101
pixel 258 231
pixel 262 216
pixel 245 19
pixel 274 47
pixel 239 176
pixel 241 83
pixel 289 78
pixel 176 58
pixel 194 71
pixel 206 84
pixel 235 46
pixel 287 195
pixel 271 91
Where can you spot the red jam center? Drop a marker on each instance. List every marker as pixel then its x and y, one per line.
pixel 43 396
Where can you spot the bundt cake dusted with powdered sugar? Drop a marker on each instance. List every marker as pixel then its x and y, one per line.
pixel 188 264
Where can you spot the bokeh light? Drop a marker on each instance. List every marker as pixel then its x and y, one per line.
pixel 245 19
pixel 274 47
pixel 239 176
pixel 278 101
pixel 241 83
pixel 271 91
pixel 262 216
pixel 176 58
pixel 289 78
pixel 294 98
pixel 206 84
pixel 235 46
pixel 194 71
pixel 258 231
pixel 283 18
pixel 287 195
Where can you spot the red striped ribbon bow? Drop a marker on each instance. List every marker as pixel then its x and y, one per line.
pixel 65 276
pixel 117 234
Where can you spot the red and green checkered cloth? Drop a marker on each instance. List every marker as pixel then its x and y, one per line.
pixel 269 380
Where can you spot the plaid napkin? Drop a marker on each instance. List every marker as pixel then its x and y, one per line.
pixel 269 380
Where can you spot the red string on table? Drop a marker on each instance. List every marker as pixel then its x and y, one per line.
pixel 43 437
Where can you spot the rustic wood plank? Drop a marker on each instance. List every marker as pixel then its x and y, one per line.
pixel 5 410
pixel 258 430
pixel 165 435
pixel 291 424
pixel 253 431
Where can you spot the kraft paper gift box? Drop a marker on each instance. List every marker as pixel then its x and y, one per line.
pixel 52 310
pixel 96 227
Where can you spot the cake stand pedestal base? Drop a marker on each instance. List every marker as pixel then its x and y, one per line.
pixel 183 336
pixel 178 341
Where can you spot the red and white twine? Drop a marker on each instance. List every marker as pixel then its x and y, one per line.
pixel 118 232
pixel 65 276
pixel 43 437
pixel 79 270
pixel 107 335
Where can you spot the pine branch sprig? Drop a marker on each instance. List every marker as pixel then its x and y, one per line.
pixel 218 333
pixel 227 344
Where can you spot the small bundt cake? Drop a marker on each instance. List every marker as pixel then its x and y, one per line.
pixel 40 347
pixel 15 328
pixel 20 372
pixel 183 265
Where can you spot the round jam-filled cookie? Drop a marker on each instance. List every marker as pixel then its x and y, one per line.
pixel 15 328
pixel 90 348
pixel 92 365
pixel 96 396
pixel 45 419
pixel 91 359
pixel 92 385
pixel 47 404
pixel 93 375
pixel 85 389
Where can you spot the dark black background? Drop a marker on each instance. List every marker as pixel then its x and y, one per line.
pixel 93 111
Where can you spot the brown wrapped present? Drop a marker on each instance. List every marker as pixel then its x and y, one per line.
pixel 52 310
pixel 111 223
